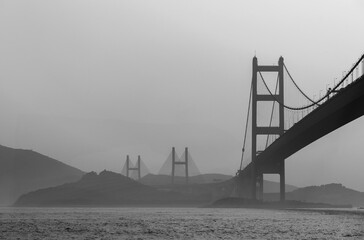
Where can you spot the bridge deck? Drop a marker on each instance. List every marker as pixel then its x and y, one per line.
pixel 340 109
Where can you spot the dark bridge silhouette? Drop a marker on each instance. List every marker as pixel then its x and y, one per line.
pixel 340 106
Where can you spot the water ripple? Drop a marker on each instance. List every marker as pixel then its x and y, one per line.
pixel 176 223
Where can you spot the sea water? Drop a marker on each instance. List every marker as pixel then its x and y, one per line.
pixel 179 223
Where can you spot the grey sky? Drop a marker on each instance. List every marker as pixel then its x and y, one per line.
pixel 87 82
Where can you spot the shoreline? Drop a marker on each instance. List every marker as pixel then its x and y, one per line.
pixel 288 204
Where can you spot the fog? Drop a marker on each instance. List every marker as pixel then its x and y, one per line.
pixel 88 82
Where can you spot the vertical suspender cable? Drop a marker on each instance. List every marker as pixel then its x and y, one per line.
pixel 271 114
pixel 246 125
pixel 299 89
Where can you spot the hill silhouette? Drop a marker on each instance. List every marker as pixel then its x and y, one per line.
pixel 22 171
pixel 113 189
pixel 108 189
pixel 333 193
pixel 158 180
pixel 163 180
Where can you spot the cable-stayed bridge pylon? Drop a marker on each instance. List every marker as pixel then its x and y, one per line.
pixel 179 167
pixel 134 171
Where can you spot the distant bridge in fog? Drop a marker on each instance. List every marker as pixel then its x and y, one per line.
pixel 174 166
pixel 288 128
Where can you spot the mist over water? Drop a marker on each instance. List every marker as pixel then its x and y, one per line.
pixel 178 223
pixel 88 82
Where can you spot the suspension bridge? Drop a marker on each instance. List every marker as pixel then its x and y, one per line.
pixel 289 128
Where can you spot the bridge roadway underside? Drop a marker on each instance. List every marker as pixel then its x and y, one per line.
pixel 342 108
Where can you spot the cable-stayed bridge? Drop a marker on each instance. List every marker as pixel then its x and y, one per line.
pixel 134 171
pixel 176 167
pixel 293 121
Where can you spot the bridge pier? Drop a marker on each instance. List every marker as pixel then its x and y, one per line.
pixel 282 182
pixel 244 182
pixel 260 182
pixel 253 183
pixel 250 181
pixel 256 183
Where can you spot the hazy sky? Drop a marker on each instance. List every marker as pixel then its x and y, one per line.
pixel 87 82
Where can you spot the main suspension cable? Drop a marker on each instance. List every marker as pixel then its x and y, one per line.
pixel 322 98
pixel 271 114
pixel 290 76
pixel 280 103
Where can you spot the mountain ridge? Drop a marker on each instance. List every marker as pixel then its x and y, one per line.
pixel 106 189
pixel 23 170
pixel 113 189
pixel 333 193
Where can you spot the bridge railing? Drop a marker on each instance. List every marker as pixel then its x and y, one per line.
pixel 348 77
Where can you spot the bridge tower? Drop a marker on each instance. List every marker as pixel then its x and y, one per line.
pixel 259 169
pixel 174 163
pixel 136 168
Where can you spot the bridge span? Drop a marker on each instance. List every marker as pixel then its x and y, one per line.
pixel 342 106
